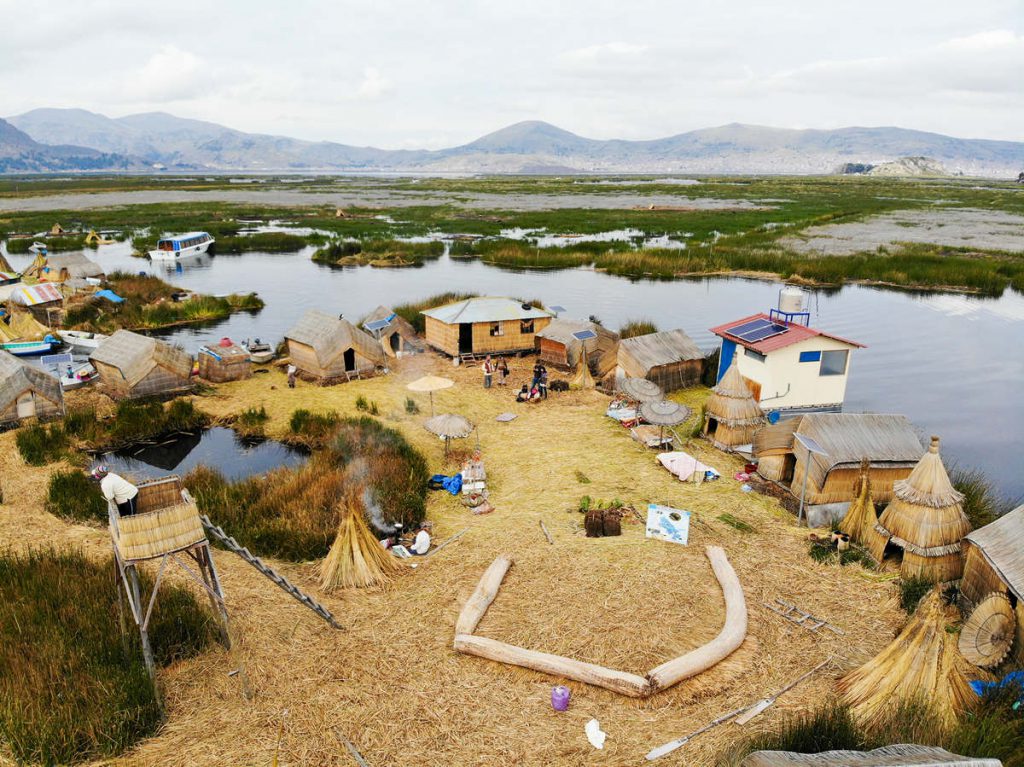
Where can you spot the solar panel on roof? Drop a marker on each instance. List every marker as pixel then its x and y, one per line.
pixel 584 335
pixel 556 308
pixel 741 329
pixel 757 330
pixel 376 325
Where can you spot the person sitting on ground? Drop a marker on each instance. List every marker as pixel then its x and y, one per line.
pixel 535 394
pixel 524 394
pixel 117 489
pixel 421 545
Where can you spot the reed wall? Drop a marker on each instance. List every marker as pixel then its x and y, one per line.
pixel 943 569
pixel 979 579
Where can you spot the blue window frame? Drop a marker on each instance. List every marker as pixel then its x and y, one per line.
pixel 810 356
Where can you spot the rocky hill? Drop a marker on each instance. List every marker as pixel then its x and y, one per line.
pixel 20 153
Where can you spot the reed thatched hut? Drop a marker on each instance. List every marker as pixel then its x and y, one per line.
pixel 926 519
pixel 27 391
pixel 329 349
pixel 131 366
pixel 61 267
pixel 888 442
pixel 227 361
pixel 559 347
pixel 899 755
pixel 732 415
pixel 397 336
pixel 994 563
pixel 485 325
pixel 669 358
pixel 43 301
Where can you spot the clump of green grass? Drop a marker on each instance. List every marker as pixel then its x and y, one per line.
pixel 410 312
pixel 263 242
pixel 737 523
pixel 81 423
pixel 313 428
pixel 378 252
pixel 822 551
pixel 70 690
pixel 912 591
pixel 72 495
pixel 250 422
pixel 982 503
pixel 361 404
pixel 639 327
pixel 138 419
pixel 411 407
pixel 40 445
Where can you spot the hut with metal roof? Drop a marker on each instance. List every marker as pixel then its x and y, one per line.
pixel 224 361
pixel 329 349
pixel 27 391
pixel 926 520
pixel 397 336
pixel 732 415
pixel 131 366
pixel 485 325
pixel 43 301
pixel 994 563
pixel 900 755
pixel 888 442
pixel 669 358
pixel 559 345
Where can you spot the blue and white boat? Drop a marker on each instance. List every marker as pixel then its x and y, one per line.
pixel 181 246
pixel 31 348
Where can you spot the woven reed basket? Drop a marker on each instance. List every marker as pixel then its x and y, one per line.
pixel 145 536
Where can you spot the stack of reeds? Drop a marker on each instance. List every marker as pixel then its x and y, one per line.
pixel 922 665
pixel 733 407
pixel 173 528
pixel 926 519
pixel 357 559
pixel 860 520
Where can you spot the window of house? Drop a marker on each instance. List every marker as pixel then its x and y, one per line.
pixel 833 363
pixel 497 329
pixel 525 326
pixel 754 355
pixel 810 356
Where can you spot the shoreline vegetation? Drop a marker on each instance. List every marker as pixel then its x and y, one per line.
pixel 743 226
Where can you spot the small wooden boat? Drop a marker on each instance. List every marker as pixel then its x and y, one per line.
pixel 80 339
pixel 31 348
pixel 259 352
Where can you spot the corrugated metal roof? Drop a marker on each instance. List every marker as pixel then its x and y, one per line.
pixel 17 377
pixel 33 295
pixel 136 355
pixel 484 309
pixel 793 334
pixel 330 337
pixel 1002 543
pixel 663 348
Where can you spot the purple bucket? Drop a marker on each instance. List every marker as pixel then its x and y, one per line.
pixel 560 698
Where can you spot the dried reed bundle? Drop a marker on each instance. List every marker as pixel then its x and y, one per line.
pixel 926 519
pixel 356 560
pixel 987 636
pixel 860 520
pixel 921 664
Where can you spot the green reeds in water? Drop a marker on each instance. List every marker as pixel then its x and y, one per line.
pixel 411 312
pixel 637 327
pixel 70 688
pixel 40 445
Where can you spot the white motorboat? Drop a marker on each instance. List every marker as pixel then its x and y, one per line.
pixel 181 246
pixel 80 339
pixel 259 352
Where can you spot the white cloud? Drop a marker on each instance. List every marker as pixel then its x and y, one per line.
pixel 170 74
pixel 374 85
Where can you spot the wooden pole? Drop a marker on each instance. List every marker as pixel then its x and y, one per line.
pixel 481 598
pixel 147 651
pixel 729 638
pixel 617 681
pixel 547 535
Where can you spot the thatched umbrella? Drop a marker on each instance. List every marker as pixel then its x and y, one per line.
pixel 664 413
pixel 449 426
pixel 922 663
pixel 987 636
pixel 431 384
pixel 641 390
pixel 732 407
pixel 926 519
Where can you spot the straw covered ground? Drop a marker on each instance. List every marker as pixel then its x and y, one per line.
pixel 391 682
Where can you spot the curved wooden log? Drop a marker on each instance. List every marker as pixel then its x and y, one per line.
pixel 722 646
pixel 617 681
pixel 485 592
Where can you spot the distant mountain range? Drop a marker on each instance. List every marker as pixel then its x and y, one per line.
pixel 75 139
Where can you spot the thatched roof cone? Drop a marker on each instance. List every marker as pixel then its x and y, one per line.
pixel 641 390
pixel 987 636
pixel 356 559
pixel 732 403
pixel 926 517
pixel 922 663
pixel 664 413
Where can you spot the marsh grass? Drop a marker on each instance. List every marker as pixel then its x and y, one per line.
pixel 912 591
pixel 982 503
pixel 313 429
pixel 378 252
pixel 410 312
pixel 251 422
pixel 132 421
pixel 70 690
pixel 40 444
pixel 637 327
pixel 72 495
pixel 262 242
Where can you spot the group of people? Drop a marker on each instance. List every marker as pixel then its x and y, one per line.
pixel 417 546
pixel 536 390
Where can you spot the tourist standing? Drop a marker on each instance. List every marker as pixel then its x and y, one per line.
pixel 502 371
pixel 292 370
pixel 488 368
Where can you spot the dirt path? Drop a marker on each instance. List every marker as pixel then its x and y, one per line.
pixel 391 681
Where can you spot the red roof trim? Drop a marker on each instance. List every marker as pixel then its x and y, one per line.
pixel 794 335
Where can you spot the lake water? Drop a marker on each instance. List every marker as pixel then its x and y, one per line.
pixel 953 364
pixel 219 448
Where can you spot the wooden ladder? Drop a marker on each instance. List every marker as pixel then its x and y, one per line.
pixel 232 545
pixel 794 614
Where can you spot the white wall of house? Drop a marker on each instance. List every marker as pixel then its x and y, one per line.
pixel 786 382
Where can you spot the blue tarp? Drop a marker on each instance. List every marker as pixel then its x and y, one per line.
pixel 110 296
pixel 442 482
pixel 1013 678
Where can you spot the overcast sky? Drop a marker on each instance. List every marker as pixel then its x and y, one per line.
pixel 436 73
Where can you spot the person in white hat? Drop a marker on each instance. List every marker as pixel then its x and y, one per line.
pixel 117 489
